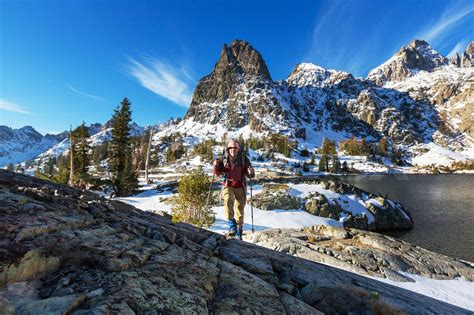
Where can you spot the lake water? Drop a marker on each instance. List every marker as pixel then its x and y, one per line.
pixel 442 207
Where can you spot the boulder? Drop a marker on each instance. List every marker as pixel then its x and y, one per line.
pixel 318 204
pixel 357 222
pixel 389 215
pixel 276 197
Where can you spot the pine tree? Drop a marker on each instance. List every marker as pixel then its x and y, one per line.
pixel 313 158
pixel 383 146
pixel 61 176
pixel 48 169
pixel 82 154
pixel 364 147
pixel 345 167
pixel 329 147
pixel 71 157
pixel 335 164
pixel 124 177
pixel 323 163
pixel 19 169
pixel 148 148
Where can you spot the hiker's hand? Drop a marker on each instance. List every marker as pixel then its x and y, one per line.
pixel 251 172
pixel 218 165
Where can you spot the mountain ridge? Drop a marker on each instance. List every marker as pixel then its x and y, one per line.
pixel 427 101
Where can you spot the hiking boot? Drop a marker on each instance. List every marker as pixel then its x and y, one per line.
pixel 232 227
pixel 239 234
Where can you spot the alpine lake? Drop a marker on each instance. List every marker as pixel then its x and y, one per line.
pixel 442 208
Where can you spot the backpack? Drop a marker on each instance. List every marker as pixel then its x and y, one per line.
pixel 244 158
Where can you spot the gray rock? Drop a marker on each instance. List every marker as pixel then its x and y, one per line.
pixel 363 252
pixel 418 55
pixel 357 222
pixel 318 204
pixel 390 216
pixel 270 199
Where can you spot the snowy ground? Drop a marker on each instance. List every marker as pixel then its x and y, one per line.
pixel 457 292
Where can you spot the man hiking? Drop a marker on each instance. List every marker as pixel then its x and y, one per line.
pixel 235 166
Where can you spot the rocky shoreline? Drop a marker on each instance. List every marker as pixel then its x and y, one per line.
pixel 64 250
pixel 363 252
pixel 335 200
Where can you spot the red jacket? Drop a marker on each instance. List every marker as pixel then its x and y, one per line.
pixel 234 172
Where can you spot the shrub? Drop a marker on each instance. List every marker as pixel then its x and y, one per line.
pixel 190 204
pixel 462 165
pixel 279 143
pixel 353 146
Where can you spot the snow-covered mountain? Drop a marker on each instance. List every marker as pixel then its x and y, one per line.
pixel 21 145
pixel 421 101
pixel 18 145
pixel 98 134
pixel 418 99
pixel 408 61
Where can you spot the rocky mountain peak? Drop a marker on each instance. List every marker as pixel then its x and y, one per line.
pixel 408 61
pixel 249 59
pixel 467 59
pixel 418 43
pixel 308 74
pixel 470 48
pixel 456 60
pixel 240 67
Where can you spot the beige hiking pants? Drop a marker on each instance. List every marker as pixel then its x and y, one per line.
pixel 234 203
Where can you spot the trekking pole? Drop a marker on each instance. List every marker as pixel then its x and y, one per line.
pixel 212 181
pixel 251 203
pixel 210 187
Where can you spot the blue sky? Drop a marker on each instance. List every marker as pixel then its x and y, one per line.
pixel 64 62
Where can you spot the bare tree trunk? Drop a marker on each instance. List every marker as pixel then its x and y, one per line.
pixel 148 155
pixel 71 155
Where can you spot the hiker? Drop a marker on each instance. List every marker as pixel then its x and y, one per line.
pixel 235 166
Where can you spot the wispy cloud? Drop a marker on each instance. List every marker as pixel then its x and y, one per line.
pixel 163 79
pixel 11 107
pixel 84 94
pixel 458 48
pixel 338 51
pixel 451 15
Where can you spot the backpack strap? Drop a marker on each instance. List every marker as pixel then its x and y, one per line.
pixel 225 157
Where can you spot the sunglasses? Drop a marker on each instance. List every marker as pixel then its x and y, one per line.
pixel 233 148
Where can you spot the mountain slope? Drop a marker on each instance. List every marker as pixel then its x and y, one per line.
pixel 417 56
pixel 19 145
pixel 239 97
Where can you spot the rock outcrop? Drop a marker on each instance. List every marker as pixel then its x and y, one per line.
pixel 275 197
pixel 363 252
pixel 417 56
pixel 467 59
pixel 380 214
pixel 69 251
pixel 221 96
